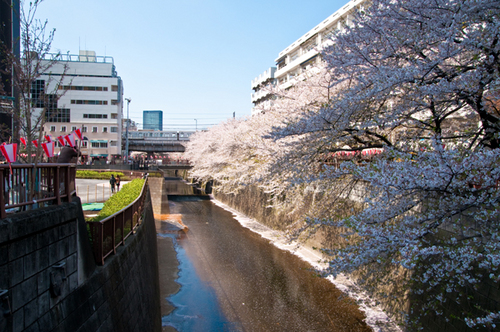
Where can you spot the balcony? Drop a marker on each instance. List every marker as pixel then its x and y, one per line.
pixel 265 76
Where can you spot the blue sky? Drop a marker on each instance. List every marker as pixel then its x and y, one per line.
pixel 192 59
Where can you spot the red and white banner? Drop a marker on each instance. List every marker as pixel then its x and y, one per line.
pixel 35 142
pixel 70 139
pixel 78 133
pixel 23 140
pixel 48 148
pixel 48 138
pixel 61 140
pixel 9 151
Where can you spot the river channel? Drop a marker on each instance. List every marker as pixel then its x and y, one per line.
pixel 233 279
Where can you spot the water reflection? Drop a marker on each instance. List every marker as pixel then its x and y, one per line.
pixel 196 302
pixel 257 286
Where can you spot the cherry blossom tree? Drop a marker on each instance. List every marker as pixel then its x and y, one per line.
pixel 417 76
pixel 418 80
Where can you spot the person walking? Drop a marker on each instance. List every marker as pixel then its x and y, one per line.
pixel 112 182
pixel 117 183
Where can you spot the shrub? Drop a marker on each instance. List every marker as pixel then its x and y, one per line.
pixel 86 174
pixel 121 199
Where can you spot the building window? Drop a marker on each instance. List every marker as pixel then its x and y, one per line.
pixel 99 144
pixel 37 92
pixel 58 115
pixel 306 65
pixel 114 102
pixel 89 102
pixel 52 128
pixel 114 115
pixel 84 129
pixel 83 88
pixel 104 129
pixel 95 116
pixel 73 128
pixel 112 143
pixel 63 129
pixel 114 129
pixel 94 129
pixel 114 88
pixel 281 63
pixel 84 144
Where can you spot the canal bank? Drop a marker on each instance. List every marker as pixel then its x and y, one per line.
pixel 168 265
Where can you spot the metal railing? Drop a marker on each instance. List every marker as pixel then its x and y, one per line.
pixel 108 234
pixel 53 184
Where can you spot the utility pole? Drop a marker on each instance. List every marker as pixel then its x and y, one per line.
pixel 126 131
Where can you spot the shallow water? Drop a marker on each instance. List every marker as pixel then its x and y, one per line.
pixel 232 279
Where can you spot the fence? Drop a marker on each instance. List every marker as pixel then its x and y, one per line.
pixel 24 188
pixel 106 235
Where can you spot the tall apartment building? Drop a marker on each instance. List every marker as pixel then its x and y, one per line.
pixel 9 42
pixel 301 55
pixel 91 98
pixel 152 120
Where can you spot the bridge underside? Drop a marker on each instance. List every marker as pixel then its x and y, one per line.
pixel 156 147
pixel 167 167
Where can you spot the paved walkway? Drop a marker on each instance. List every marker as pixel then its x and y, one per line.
pixel 92 191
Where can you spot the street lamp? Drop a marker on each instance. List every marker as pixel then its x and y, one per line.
pixel 126 131
pixel 196 124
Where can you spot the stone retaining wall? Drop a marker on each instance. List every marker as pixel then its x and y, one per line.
pixel 49 281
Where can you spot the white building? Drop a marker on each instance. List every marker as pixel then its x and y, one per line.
pixel 301 55
pixel 261 96
pixel 91 98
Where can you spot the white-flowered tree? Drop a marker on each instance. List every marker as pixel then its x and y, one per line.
pixel 418 80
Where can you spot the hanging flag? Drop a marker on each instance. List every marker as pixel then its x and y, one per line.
pixel 9 151
pixel 61 140
pixel 23 140
pixel 35 142
pixel 48 138
pixel 78 133
pixel 70 139
pixel 48 148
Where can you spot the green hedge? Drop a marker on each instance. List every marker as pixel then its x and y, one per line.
pixel 121 199
pixel 155 174
pixel 84 174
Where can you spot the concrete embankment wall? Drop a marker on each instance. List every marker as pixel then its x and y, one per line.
pixel 49 281
pixel 384 281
